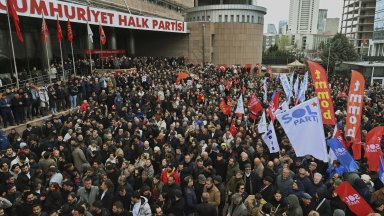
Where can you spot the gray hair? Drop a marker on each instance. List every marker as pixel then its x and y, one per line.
pixel 236 198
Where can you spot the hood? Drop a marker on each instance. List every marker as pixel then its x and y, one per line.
pixel 143 200
pixel 292 201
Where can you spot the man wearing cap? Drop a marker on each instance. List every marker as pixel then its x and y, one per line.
pixel 305 203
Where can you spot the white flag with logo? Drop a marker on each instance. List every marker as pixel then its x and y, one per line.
pixel 262 127
pixel 282 108
pixel 270 139
pixel 240 105
pixel 304 127
pixel 296 88
pixel 90 33
pixel 286 86
pixel 303 88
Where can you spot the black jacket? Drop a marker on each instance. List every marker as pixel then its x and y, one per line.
pixel 205 209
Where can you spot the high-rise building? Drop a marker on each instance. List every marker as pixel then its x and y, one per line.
pixel 332 26
pixel 271 29
pixel 283 26
pixel 376 48
pixel 357 23
pixel 321 20
pixel 303 16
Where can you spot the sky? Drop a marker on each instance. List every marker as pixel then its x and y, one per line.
pixel 279 10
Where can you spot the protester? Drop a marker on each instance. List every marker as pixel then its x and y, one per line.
pixel 145 142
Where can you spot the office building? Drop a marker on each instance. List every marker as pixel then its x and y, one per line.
pixel 303 16
pixel 322 20
pixel 357 23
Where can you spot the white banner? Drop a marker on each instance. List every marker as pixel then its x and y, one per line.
pixel 303 88
pixel 262 127
pixel 286 86
pixel 282 108
pixel 270 139
pixel 240 105
pixel 83 14
pixel 304 127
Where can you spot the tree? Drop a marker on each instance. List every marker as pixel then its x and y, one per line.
pixel 340 50
pixel 283 42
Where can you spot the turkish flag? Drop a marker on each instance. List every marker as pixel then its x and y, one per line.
pixel 273 106
pixel 226 109
pixel 12 12
pixel 233 128
pixel 103 38
pixel 44 31
pixel 352 199
pixel 372 148
pixel 59 32
pixel 69 32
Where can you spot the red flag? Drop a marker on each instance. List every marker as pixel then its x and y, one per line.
pixel 12 12
pixel 269 69
pixel 44 31
pixel 273 106
pixel 69 32
pixel 254 104
pixel 337 134
pixel 59 32
pixel 103 38
pixel 352 198
pixel 372 148
pixel 226 109
pixel 233 128
pixel 356 144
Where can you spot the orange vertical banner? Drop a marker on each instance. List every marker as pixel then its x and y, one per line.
pixel 355 104
pixel 323 92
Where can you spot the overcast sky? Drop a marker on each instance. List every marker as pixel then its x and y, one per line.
pixel 279 10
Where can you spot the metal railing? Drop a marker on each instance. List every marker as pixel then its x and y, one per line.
pixel 39 80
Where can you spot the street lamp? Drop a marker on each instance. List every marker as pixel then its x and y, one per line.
pixel 329 54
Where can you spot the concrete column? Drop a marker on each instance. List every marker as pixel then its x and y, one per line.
pixel 131 42
pixel 112 39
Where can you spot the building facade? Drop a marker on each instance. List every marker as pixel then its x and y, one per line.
pixel 303 16
pixel 322 20
pixel 271 29
pixel 357 23
pixel 376 45
pixel 226 33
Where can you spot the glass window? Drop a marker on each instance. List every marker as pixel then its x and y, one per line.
pixel 232 18
pixel 248 19
pixel 203 18
pixel 226 18
pixel 252 19
pixel 237 18
pixel 220 18
pixel 208 18
pixel 243 18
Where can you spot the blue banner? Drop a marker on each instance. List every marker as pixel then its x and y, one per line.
pixel 343 155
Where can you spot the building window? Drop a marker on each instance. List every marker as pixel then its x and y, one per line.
pixel 226 18
pixel 203 18
pixel 252 19
pixel 259 20
pixel 220 18
pixel 237 18
pixel 194 19
pixel 198 19
pixel 232 18
pixel 208 18
pixel 243 18
pixel 248 19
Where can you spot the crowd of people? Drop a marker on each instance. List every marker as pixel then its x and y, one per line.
pixel 148 143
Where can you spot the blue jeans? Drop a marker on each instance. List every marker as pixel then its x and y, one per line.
pixel 73 100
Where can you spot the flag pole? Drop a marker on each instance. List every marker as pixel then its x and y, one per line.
pixel 61 55
pixel 73 59
pixel 90 55
pixel 101 54
pixel 13 49
pixel 49 66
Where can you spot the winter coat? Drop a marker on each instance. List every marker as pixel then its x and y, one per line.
pixel 284 184
pixel 145 209
pixel 190 200
pixel 89 198
pixel 239 210
pixel 253 206
pixel 294 208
